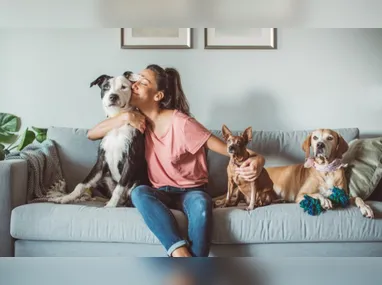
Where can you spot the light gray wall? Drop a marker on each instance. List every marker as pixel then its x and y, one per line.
pixel 316 78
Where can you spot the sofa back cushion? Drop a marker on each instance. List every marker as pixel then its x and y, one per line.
pixel 364 171
pixel 78 154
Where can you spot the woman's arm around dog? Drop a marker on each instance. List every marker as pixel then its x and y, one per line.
pixel 132 118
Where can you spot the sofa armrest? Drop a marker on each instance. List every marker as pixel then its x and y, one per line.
pixel 13 193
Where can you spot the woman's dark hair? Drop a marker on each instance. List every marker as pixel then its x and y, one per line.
pixel 168 81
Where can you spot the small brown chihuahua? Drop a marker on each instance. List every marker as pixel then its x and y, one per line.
pixel 257 193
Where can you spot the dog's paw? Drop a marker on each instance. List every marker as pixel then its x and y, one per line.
pixel 54 194
pixel 56 200
pixel 367 211
pixel 250 208
pixel 61 200
pixel 111 204
pixel 326 203
pixel 220 203
pixel 85 199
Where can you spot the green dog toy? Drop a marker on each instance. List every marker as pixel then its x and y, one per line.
pixel 339 198
pixel 311 205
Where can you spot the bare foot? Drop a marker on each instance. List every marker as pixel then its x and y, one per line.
pixel 181 252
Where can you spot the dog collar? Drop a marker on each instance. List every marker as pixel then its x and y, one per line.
pixel 333 166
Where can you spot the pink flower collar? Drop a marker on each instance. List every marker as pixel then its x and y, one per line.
pixel 333 166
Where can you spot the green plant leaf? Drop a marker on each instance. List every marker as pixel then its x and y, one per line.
pixel 26 138
pixel 2 151
pixel 8 124
pixel 4 135
pixel 41 134
pixel 40 130
pixel 40 137
pixel 9 138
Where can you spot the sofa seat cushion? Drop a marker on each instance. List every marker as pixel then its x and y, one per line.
pixel 88 222
pixel 287 223
pixel 281 223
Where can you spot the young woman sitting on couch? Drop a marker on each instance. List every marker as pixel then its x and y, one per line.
pixel 177 165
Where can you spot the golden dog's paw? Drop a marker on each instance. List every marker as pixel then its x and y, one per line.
pixel 250 208
pixel 326 203
pixel 367 211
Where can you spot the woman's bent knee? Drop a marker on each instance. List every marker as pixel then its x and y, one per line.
pixel 201 202
pixel 205 200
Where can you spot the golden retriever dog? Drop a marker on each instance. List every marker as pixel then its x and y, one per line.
pixel 319 174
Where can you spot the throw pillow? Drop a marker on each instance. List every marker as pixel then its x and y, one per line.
pixel 364 171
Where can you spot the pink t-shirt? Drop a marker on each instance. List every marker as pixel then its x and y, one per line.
pixel 178 157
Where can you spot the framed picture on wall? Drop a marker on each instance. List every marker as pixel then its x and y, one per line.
pixel 240 38
pixel 156 38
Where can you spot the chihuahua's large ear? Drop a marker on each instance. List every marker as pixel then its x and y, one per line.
pixel 101 79
pixel 226 132
pixel 247 134
pixel 306 146
pixel 342 146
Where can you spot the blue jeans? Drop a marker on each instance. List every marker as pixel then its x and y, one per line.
pixel 154 206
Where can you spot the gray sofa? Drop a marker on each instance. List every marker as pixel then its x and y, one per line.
pixel 46 229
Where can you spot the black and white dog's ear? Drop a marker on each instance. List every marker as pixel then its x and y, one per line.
pixel 131 76
pixel 101 79
pixel 127 74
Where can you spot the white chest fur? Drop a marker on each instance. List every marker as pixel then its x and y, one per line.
pixel 115 144
pixel 327 184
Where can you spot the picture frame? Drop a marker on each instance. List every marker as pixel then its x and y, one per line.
pixel 240 38
pixel 156 38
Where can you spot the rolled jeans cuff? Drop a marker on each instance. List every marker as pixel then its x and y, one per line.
pixel 175 246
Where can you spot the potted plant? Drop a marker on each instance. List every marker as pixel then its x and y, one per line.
pixel 9 134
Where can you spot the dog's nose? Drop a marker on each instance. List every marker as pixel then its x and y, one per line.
pixel 320 145
pixel 113 97
pixel 231 148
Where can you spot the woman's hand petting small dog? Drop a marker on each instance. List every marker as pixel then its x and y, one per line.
pixel 250 169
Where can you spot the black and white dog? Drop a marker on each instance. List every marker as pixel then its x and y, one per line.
pixel 121 163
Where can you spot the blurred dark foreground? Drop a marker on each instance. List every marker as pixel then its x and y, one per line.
pixel 195 271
